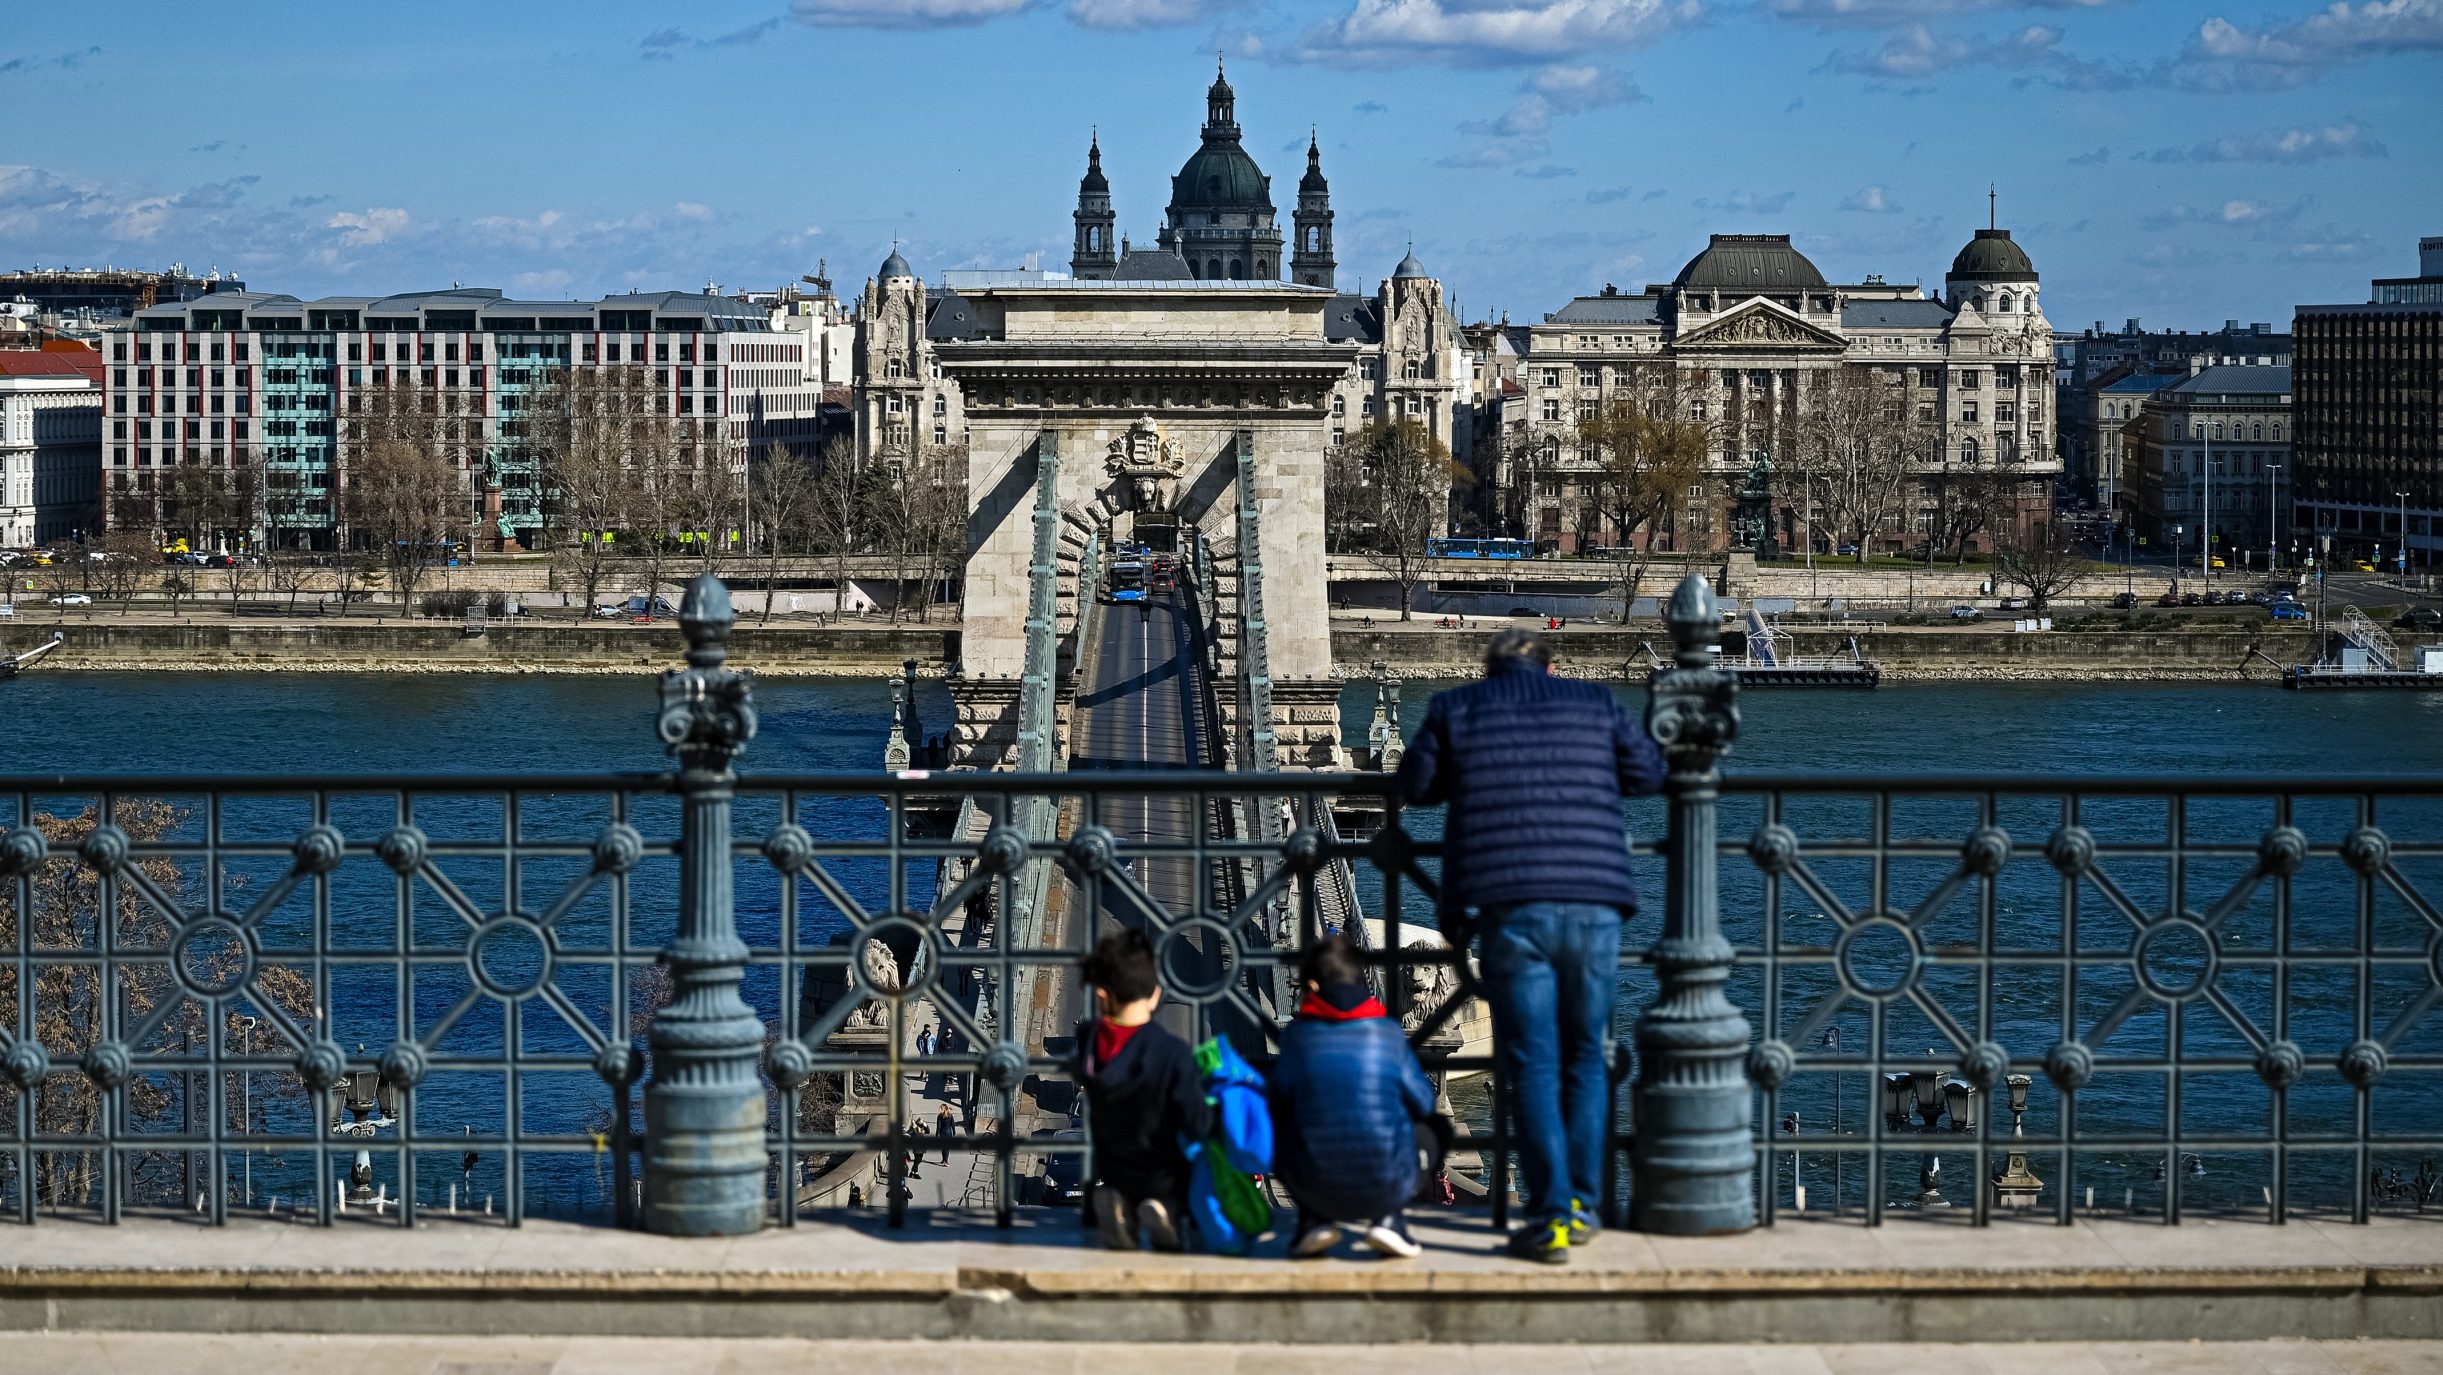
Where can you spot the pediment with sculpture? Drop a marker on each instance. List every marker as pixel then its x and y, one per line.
pixel 1761 324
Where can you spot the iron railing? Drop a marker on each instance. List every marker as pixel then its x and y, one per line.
pixel 691 1003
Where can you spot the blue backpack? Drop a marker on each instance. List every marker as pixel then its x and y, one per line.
pixel 1228 1205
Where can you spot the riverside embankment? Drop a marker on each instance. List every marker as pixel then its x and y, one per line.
pixel 1983 653
pixel 420 646
pixel 1419 649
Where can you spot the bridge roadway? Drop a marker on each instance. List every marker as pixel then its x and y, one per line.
pixel 1142 712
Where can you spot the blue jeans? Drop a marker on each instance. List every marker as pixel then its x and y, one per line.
pixel 1550 970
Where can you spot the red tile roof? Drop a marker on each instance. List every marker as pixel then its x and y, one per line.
pixel 44 363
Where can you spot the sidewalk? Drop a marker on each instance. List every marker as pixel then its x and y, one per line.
pixel 949 1274
pixel 124 1354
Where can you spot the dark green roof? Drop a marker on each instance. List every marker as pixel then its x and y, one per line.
pixel 1220 176
pixel 1749 262
pixel 1992 257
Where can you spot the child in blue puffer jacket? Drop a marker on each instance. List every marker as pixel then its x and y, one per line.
pixel 1349 1108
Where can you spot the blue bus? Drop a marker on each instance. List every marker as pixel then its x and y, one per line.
pixel 1479 548
pixel 1127 582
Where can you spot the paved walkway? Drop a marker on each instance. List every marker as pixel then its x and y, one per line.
pixel 123 1354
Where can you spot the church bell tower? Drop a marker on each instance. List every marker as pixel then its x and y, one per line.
pixel 1097 254
pixel 1310 261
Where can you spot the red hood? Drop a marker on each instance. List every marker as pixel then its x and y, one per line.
pixel 1317 1007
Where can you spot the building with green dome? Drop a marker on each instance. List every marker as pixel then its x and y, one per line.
pixel 1221 224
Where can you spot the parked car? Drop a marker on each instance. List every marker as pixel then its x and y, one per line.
pixel 72 599
pixel 636 606
pixel 2424 618
pixel 2192 599
pixel 1847 551
pixel 2011 604
pixel 2168 599
pixel 1966 613
pixel 2288 611
pixel 610 611
pixel 2122 601
pixel 2214 597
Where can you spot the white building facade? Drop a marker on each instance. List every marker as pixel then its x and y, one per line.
pixel 50 453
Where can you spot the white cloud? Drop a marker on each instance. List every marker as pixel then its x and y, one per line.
pixel 1549 94
pixel 1915 51
pixel 2237 213
pixel 2222 55
pixel 1878 13
pixel 1490 32
pixel 901 14
pixel 379 224
pixel 1749 203
pixel 1872 200
pixel 1497 152
pixel 1144 14
pixel 2348 139
pixel 692 210
pixel 553 279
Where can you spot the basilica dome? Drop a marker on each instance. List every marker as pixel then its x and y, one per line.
pixel 1220 176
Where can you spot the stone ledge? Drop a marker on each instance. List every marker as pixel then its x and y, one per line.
pixel 950 1275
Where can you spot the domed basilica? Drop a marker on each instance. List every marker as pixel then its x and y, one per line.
pixel 1220 225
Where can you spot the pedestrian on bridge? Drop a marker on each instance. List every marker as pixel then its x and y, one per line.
pixel 1534 769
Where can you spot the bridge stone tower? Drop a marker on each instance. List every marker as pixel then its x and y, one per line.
pixel 1150 393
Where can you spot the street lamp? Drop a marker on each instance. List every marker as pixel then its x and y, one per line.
pixel 2404 554
pixel 371 1103
pixel 246 1024
pixel 2177 532
pixel 2017 1186
pixel 2273 515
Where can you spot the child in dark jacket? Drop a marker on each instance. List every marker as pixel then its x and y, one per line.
pixel 1349 1103
pixel 1144 1092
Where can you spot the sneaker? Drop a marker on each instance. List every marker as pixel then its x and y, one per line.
pixel 1389 1236
pixel 1314 1239
pixel 1546 1243
pixel 1111 1219
pixel 1584 1224
pixel 1161 1232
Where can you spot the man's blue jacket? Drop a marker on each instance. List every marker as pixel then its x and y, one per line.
pixel 1534 768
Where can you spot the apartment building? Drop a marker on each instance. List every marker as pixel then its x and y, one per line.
pixel 261 382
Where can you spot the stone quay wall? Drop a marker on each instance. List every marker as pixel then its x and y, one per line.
pixel 443 647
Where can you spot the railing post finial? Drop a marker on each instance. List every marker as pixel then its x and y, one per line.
pixel 704 1108
pixel 1694 1166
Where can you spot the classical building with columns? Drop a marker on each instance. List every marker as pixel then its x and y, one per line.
pixel 1220 227
pixel 1752 328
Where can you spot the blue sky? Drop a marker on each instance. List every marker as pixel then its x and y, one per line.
pixel 2182 162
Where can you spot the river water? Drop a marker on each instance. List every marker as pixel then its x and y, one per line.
pixel 56 722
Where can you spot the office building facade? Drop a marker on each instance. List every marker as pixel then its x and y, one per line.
pixel 264 382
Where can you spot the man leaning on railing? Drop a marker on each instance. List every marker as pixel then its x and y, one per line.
pixel 1534 768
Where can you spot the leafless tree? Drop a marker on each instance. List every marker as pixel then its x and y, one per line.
pixel 1646 453
pixel 125 557
pixel 840 514
pixel 782 490
pixel 922 509
pixel 403 494
pixel 1857 448
pixel 2040 556
pixel 594 432
pixel 1402 498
